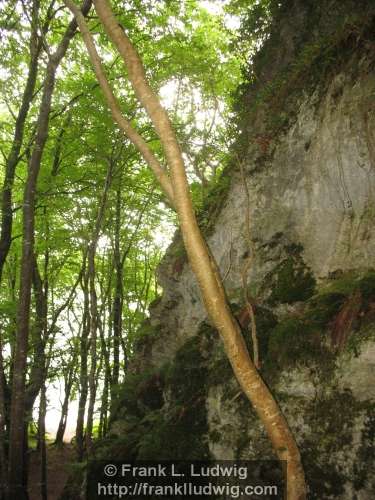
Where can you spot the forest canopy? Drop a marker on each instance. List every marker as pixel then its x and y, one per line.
pixel 83 222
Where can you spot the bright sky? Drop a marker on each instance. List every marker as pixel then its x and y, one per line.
pixel 55 393
pixel 217 7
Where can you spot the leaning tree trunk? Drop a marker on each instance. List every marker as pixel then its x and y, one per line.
pixel 16 487
pixel 200 258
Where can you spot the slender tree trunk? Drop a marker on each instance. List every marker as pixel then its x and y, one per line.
pixel 3 454
pixel 13 158
pixel 118 293
pixel 83 373
pixel 125 125
pixel 200 258
pixel 94 307
pixel 6 205
pixel 38 371
pixel 16 459
pixel 93 347
pixel 103 424
pixel 59 440
pixel 17 410
pixel 42 442
pixel 68 384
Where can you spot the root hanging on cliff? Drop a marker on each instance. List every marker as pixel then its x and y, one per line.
pixel 246 268
pixel 342 324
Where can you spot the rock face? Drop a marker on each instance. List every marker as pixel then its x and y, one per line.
pixel 296 226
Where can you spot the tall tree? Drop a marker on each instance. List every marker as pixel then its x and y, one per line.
pixel 83 369
pixel 93 302
pixel 16 487
pixel 203 265
pixel 35 46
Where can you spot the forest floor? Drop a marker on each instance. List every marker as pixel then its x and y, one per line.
pixel 57 471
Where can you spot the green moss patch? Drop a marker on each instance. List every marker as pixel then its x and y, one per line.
pixel 213 202
pixel 298 59
pixel 183 420
pixel 291 280
pixel 306 337
pixel 139 392
pixel 366 455
pixel 161 414
pixel 331 421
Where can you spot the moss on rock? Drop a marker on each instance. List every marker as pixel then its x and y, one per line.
pixel 183 419
pixel 305 336
pixel 327 451
pixel 160 413
pixel 291 280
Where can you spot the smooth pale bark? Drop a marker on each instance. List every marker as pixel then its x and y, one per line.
pixel 16 488
pixel 200 258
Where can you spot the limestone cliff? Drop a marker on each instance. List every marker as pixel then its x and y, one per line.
pixel 302 184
